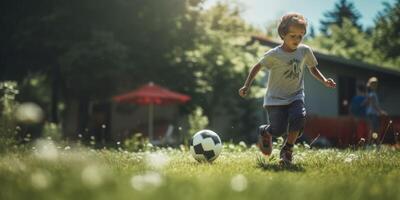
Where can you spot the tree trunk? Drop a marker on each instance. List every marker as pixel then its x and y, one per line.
pixel 70 120
pixel 55 88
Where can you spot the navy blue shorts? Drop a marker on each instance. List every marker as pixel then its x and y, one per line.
pixel 286 118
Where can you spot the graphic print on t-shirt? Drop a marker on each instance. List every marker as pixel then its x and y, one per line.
pixel 294 71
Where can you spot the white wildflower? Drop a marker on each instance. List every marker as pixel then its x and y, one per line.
pixel 157 160
pixel 146 181
pixel 91 175
pixel 46 150
pixel 239 183
pixel 40 180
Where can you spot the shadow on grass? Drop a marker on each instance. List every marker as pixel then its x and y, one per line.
pixel 276 166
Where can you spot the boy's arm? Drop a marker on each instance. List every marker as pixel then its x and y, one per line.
pixel 319 76
pixel 253 72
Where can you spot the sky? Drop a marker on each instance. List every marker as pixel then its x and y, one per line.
pixel 263 12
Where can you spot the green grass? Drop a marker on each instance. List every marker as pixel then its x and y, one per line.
pixel 62 172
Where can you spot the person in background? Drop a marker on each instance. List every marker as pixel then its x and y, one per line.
pixel 358 104
pixel 373 110
pixel 358 110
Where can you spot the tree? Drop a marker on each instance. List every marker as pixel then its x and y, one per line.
pixel 343 10
pixel 386 34
pixel 346 41
pixel 94 49
pixel 98 48
pixel 376 46
pixel 219 63
pixel 21 41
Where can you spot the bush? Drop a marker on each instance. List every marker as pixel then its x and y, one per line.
pixel 8 124
pixel 137 143
pixel 197 121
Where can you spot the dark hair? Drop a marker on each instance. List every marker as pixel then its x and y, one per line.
pixel 289 20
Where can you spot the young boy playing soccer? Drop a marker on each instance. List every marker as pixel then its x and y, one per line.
pixel 284 99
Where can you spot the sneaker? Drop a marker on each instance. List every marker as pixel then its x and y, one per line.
pixel 264 140
pixel 286 156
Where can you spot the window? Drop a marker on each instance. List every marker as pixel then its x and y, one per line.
pixel 347 90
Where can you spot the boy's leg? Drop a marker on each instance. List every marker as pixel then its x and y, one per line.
pixel 292 137
pixel 287 149
pixel 278 120
pixel 297 115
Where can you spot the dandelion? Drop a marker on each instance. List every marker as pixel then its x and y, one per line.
pixel 348 160
pixel 275 152
pixel 27 138
pixel 243 144
pixel 92 176
pixel 146 181
pixel 40 180
pixel 374 135
pixel 29 113
pixel 239 183
pixel 46 150
pixel 280 140
pixel 157 160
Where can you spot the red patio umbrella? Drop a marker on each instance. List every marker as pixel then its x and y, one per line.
pixel 151 94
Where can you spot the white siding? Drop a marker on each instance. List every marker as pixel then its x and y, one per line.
pixel 389 97
pixel 320 100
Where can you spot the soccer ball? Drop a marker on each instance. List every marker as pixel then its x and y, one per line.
pixel 205 146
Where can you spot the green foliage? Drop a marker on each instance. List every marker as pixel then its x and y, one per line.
pixel 343 11
pixel 197 121
pixel 52 131
pixel 95 49
pixel 53 171
pixel 90 67
pixel 351 43
pixel 386 31
pixel 218 65
pixel 35 87
pixel 8 124
pixel 378 45
pixel 104 47
pixel 137 143
pixel 346 41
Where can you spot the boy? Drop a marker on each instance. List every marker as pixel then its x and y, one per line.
pixel 284 99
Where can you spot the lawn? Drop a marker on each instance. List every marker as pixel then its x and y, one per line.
pixel 53 171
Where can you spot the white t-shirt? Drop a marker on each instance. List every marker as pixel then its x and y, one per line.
pixel 286 74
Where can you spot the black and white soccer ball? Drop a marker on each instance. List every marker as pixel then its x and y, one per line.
pixel 205 146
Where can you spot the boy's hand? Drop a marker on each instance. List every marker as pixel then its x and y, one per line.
pixel 330 83
pixel 243 91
